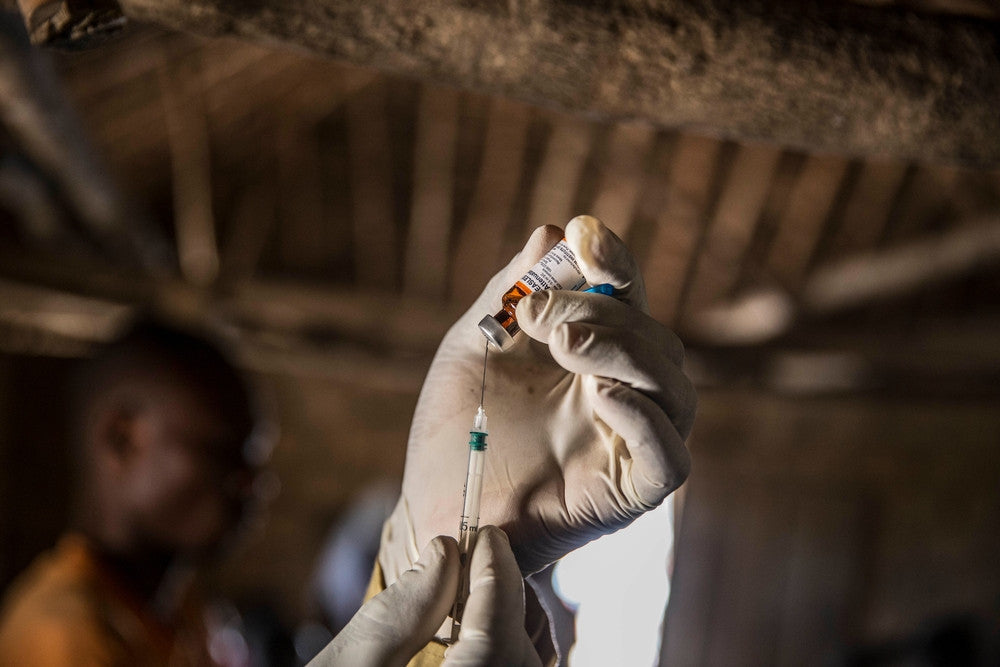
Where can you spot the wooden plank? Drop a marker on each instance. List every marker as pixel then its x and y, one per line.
pixel 302 240
pixel 975 196
pixel 191 161
pixel 335 155
pixel 937 541
pixel 33 215
pixel 401 110
pixel 748 591
pixel 922 201
pixel 724 163
pixel 271 75
pixel 868 208
pixel 290 356
pixel 426 262
pixel 477 253
pixel 752 266
pixel 700 549
pixel 825 76
pixel 60 312
pixel 622 175
pixel 824 562
pixel 133 56
pixel 474 112
pixel 374 319
pixel 653 199
pixel 251 223
pixel 127 124
pixel 375 243
pixel 732 225
pixel 227 71
pixel 679 222
pixel 559 174
pixel 536 140
pixel 801 224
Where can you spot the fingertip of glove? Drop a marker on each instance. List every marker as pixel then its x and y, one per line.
pixel 531 308
pixel 540 242
pixel 547 233
pixel 585 222
pixel 439 549
pixel 583 233
pixel 493 534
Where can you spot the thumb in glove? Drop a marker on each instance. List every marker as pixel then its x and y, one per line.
pixel 493 623
pixel 391 627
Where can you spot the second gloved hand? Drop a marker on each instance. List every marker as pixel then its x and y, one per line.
pixel 588 413
pixel 391 627
pixel 394 625
pixel 493 624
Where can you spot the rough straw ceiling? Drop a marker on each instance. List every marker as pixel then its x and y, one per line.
pixel 336 218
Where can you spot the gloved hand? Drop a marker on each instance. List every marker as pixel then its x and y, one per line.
pixel 391 627
pixel 588 413
pixel 493 622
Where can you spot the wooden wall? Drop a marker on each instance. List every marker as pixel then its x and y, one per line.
pixel 814 526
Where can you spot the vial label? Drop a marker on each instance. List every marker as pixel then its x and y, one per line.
pixel 558 269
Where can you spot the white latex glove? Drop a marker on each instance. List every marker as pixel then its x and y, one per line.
pixel 391 627
pixel 493 622
pixel 588 413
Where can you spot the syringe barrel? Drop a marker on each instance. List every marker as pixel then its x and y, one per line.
pixel 473 494
pixel 469 528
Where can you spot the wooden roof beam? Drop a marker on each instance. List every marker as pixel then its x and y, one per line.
pixel 815 75
pixel 44 127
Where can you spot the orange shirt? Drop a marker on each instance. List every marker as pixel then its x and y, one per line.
pixel 68 610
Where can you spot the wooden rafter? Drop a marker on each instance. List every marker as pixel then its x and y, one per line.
pixel 867 210
pixel 37 114
pixel 426 260
pixel 187 133
pixel 800 226
pixel 680 222
pixel 477 250
pixel 731 229
pixel 559 174
pixel 622 175
pixel 375 235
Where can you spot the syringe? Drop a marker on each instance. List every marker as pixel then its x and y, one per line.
pixel 469 526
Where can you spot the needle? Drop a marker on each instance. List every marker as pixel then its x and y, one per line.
pixel 482 392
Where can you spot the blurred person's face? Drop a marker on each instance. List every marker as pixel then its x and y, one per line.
pixel 186 480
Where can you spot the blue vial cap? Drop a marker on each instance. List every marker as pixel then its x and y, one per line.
pixel 603 288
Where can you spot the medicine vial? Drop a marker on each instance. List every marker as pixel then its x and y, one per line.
pixel 558 269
